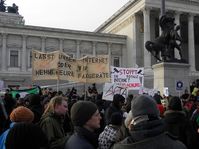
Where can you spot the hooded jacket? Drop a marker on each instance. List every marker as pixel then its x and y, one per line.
pixel 149 135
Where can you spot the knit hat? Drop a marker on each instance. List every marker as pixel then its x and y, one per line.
pixel 143 108
pixel 116 119
pixel 21 114
pixel 175 104
pixel 81 112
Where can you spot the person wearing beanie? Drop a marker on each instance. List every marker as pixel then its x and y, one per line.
pixel 19 114
pixel 147 128
pixel 86 119
pixel 35 106
pixel 26 136
pixel 111 134
pixel 52 122
pixel 177 124
pixel 115 106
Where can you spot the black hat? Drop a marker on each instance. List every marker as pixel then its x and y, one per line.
pixel 175 104
pixel 144 107
pixel 81 112
pixel 116 119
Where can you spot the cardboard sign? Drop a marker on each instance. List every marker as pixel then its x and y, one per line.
pixel 110 89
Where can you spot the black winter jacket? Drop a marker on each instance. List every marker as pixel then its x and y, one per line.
pixel 149 135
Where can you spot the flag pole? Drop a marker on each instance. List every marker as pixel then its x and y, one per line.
pixel 85 93
pixel 57 84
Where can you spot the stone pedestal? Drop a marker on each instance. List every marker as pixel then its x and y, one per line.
pixel 11 18
pixel 167 74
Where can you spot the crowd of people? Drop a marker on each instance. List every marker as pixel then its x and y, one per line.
pixel 57 120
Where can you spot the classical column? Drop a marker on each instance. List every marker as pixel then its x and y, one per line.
pixel 177 18
pixel 132 54
pixel 43 45
pixel 61 45
pixel 23 62
pixel 124 55
pixel 4 56
pixel 147 55
pixel 77 49
pixel 177 21
pixel 109 53
pixel 94 48
pixel 160 29
pixel 191 43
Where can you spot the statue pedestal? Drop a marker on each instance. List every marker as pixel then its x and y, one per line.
pixel 167 74
pixel 11 18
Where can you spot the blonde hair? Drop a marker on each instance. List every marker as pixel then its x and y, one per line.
pixel 57 100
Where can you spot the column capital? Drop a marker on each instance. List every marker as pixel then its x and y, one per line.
pixel 24 37
pixel 94 42
pixel 146 9
pixel 178 12
pixel 78 42
pixel 4 35
pixel 192 14
pixel 109 44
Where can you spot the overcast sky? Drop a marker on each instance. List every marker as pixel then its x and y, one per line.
pixel 85 15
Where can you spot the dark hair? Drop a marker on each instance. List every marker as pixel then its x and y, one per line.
pixel 26 136
pixel 117 98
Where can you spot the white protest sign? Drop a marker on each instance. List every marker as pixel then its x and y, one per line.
pixel 110 89
pixel 166 91
pixel 144 90
pixel 131 78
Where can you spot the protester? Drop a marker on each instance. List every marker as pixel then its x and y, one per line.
pixel 147 128
pixel 19 114
pixel 86 119
pixel 116 106
pixel 161 108
pixel 127 105
pixel 195 118
pixel 178 125
pixel 26 136
pixel 52 122
pixel 111 134
pixel 35 106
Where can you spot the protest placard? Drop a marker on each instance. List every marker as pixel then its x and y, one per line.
pixel 110 89
pixel 44 65
pixel 58 65
pixel 148 91
pixel 131 78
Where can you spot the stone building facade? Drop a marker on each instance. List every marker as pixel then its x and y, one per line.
pixel 18 40
pixel 139 21
pixel 122 37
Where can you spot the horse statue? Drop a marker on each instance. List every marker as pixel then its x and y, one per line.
pixel 167 42
pixel 13 9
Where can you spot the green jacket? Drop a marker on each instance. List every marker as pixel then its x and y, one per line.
pixel 52 126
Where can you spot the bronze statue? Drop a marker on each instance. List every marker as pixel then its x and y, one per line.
pixel 13 9
pixel 2 6
pixel 167 42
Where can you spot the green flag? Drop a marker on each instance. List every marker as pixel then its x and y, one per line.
pixel 24 92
